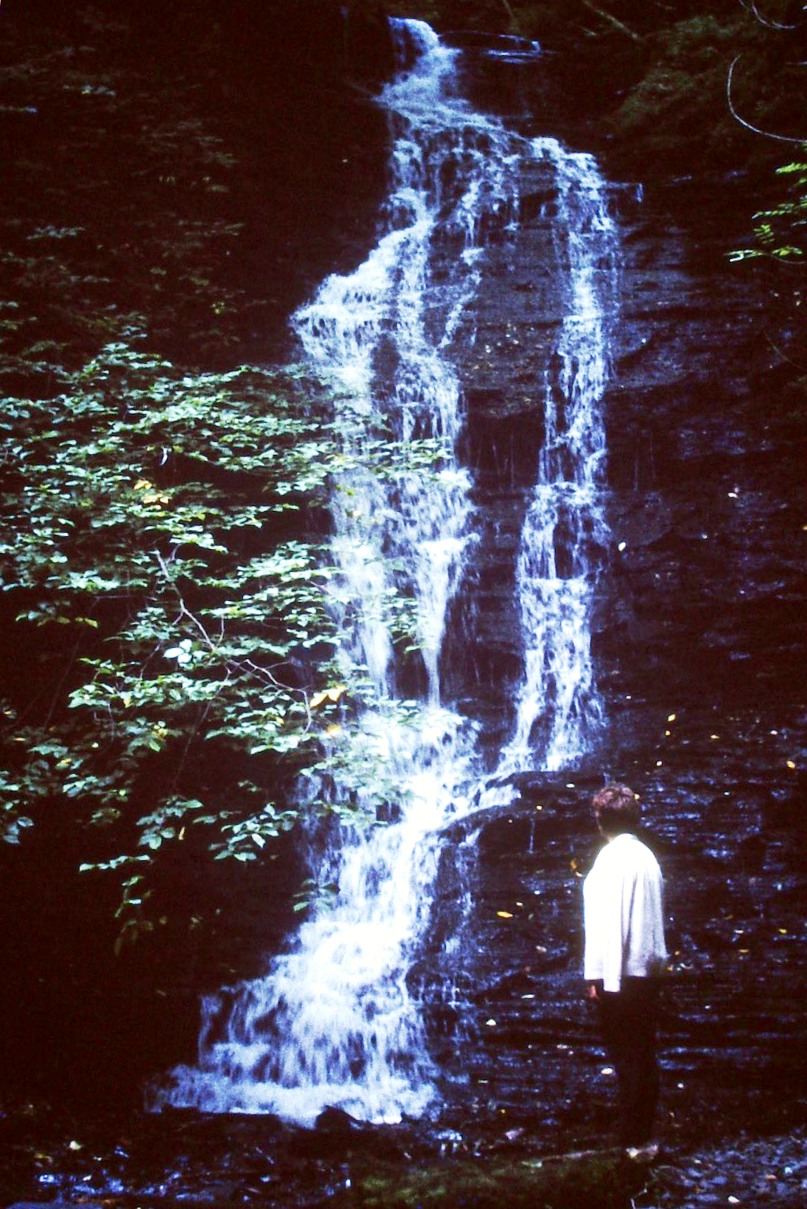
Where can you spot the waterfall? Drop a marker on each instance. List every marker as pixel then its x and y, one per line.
pixel 558 710
pixel 333 1022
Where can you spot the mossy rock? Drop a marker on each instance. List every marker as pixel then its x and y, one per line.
pixel 591 1180
pixel 685 82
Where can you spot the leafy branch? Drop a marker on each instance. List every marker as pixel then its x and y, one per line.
pixel 157 518
pixel 780 231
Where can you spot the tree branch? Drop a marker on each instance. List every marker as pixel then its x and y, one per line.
pixel 768 134
pixel 510 14
pixel 750 6
pixel 612 20
pixel 184 611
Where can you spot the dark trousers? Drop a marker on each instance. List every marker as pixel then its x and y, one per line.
pixel 629 1022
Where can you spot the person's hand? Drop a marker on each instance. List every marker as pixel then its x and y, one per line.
pixel 592 991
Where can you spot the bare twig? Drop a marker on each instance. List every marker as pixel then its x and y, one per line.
pixel 768 134
pixel 179 768
pixel 55 695
pixel 751 7
pixel 510 13
pixel 612 20
pixel 184 611
pixel 231 665
pixel 780 353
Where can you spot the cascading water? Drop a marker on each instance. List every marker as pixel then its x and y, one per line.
pixel 559 710
pixel 333 1021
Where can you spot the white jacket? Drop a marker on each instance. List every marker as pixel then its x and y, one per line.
pixel 623 912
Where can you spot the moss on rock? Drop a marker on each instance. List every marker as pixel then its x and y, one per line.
pixel 588 1180
pixel 680 100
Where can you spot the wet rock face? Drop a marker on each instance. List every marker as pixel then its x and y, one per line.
pixel 505 355
pixel 698 641
pixel 703 483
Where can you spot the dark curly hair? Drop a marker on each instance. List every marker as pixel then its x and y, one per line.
pixel 616 808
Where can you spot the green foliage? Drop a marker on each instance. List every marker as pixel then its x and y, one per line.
pixel 153 552
pixel 781 230
pixel 712 74
pixel 170 623
pixel 169 606
pixel 603 1179
pixel 684 83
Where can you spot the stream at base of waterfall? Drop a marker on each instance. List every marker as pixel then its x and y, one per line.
pixel 333 1022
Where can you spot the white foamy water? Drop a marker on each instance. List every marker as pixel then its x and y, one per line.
pixel 333 1022
pixel 558 710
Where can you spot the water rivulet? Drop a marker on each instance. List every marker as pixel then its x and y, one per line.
pixel 334 1021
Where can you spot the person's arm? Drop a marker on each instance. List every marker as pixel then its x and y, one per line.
pixel 592 943
pixel 603 894
pixel 613 922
